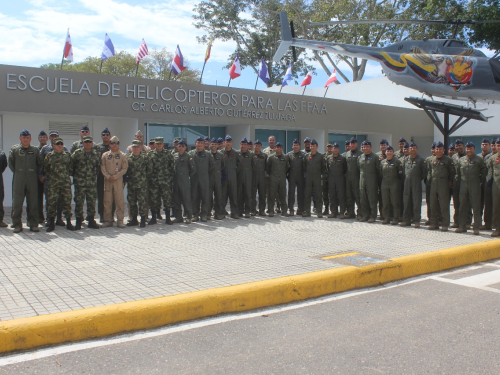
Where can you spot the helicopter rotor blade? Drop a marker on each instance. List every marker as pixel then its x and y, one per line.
pixel 294 51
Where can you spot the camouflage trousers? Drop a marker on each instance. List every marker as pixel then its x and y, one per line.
pixel 83 193
pixel 159 192
pixel 59 190
pixel 137 195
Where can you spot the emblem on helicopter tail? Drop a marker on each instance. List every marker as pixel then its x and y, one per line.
pixel 452 70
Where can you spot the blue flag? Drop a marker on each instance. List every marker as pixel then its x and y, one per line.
pixel 288 76
pixel 263 73
pixel 109 49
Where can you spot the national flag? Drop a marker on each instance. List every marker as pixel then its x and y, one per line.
pixel 143 51
pixel 263 72
pixel 178 62
pixel 108 50
pixel 235 70
pixel 307 80
pixel 68 48
pixel 332 79
pixel 288 75
pixel 209 49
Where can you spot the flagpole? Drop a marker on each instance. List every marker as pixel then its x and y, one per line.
pixel 205 63
pixel 304 89
pixel 170 74
pixel 137 68
pixel 256 81
pixel 327 87
pixel 229 82
pixel 281 88
pixel 62 61
pixel 101 66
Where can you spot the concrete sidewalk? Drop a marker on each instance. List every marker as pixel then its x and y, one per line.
pixel 47 273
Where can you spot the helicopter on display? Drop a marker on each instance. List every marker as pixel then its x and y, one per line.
pixel 436 67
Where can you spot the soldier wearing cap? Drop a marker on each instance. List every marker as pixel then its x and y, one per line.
pixel 259 179
pixel 161 180
pixel 220 144
pixel 215 180
pixel 206 143
pixel 314 168
pixel 307 145
pixel 415 170
pixel 245 179
pixel 24 162
pixel 139 136
pixel 200 181
pixel 176 145
pixel 139 170
pixel 336 167
pixel 3 166
pixel 471 172
pixel 53 134
pixel 441 174
pixel 383 146
pixel 296 178
pixel 85 165
pixel 352 180
pixel 250 146
pixel 277 166
pixel 494 180
pixel 57 168
pixel 347 147
pixel 101 149
pixel 114 165
pixel 42 139
pixel 485 193
pixel 326 197
pixel 400 153
pixel 460 153
pixel 488 208
pixel 402 159
pixel 451 150
pixel 392 174
pixel 232 162
pixel 184 168
pixel 369 174
pixel 427 182
pixel 79 144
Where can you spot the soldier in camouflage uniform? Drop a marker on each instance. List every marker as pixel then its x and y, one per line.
pixel 85 164
pixel 84 131
pixel 162 165
pixel 57 167
pixel 139 168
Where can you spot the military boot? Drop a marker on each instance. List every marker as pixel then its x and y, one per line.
pixel 91 223
pixel 143 222
pixel 167 219
pixel 59 220
pixel 153 218
pixel 133 222
pixel 326 211
pixel 69 226
pixel 51 224
pixel 158 215
pixel 79 221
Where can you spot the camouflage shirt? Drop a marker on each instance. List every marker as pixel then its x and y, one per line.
pixel 139 169
pixel 57 167
pixel 162 164
pixel 85 167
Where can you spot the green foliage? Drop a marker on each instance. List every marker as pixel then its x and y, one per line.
pixel 154 66
pixel 485 35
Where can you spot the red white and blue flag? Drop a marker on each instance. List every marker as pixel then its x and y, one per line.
pixel 178 62
pixel 68 48
pixel 288 76
pixel 332 78
pixel 235 70
pixel 307 80
pixel 143 51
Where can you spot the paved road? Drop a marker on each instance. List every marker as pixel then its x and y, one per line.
pixel 442 323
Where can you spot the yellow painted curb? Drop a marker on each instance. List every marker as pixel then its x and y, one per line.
pixel 102 321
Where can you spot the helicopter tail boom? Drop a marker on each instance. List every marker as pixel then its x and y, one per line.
pixel 286 37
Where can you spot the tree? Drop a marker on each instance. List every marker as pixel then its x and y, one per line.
pixel 485 35
pixel 255 37
pixel 154 66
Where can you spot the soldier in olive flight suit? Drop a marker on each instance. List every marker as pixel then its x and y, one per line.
pixel 245 173
pixel 352 180
pixel 428 184
pixel 232 162
pixel 314 168
pixel 486 197
pixel 382 155
pixel 369 175
pixel 162 165
pixel 326 196
pixel 336 167
pixel 25 162
pixel 415 170
pixel 392 173
pixel 494 181
pixel 139 168
pixel 259 179
pixel 200 181
pixel 277 166
pixel 460 152
pixel 296 178
pixel 184 168
pixel 441 174
pixel 215 180
pixel 3 166
pixel 57 168
pixel 85 164
pixel 471 172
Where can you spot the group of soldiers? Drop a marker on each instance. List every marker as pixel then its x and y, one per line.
pixel 197 185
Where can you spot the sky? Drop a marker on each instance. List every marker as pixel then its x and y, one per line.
pixel 33 33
